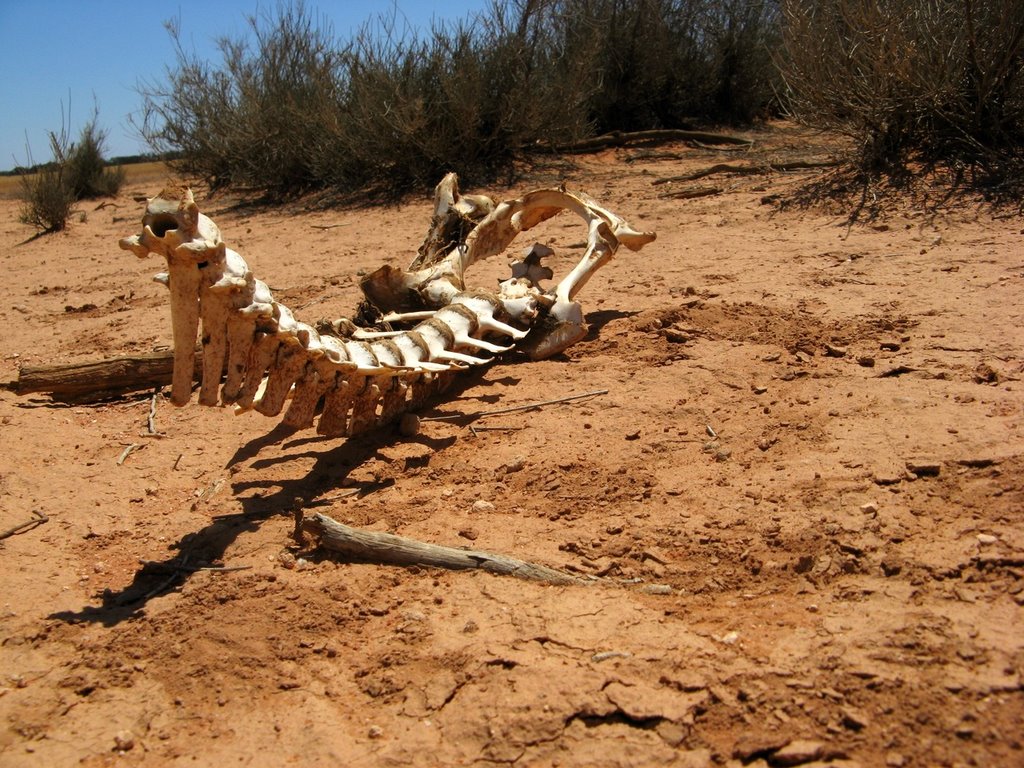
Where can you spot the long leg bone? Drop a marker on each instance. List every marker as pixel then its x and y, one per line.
pixel 369 377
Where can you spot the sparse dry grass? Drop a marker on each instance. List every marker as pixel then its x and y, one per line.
pixel 136 173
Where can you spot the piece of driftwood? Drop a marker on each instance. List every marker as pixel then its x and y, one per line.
pixel 621 139
pixel 374 547
pixel 100 379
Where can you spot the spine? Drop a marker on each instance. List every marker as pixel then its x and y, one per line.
pixel 256 354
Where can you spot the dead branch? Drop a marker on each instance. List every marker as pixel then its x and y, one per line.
pixel 748 169
pixel 686 194
pixel 374 547
pixel 621 139
pixel 182 567
pixel 38 518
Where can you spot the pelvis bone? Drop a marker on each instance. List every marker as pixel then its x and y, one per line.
pixel 256 354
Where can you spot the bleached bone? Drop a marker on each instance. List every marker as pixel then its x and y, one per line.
pixel 368 377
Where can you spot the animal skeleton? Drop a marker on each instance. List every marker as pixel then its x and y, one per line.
pixel 366 378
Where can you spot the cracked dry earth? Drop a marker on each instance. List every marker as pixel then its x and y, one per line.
pixel 804 491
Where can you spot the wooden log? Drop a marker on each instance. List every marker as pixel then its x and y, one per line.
pixel 100 379
pixel 374 547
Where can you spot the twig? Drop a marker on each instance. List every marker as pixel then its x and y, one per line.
pixel 329 226
pixel 128 451
pixel 167 582
pixel 371 546
pixel 515 408
pixel 193 568
pixel 38 518
pixel 177 460
pixel 151 421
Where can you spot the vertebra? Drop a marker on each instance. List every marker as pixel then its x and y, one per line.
pixel 368 377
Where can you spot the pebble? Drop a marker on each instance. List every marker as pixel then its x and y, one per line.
pixel 853 719
pixel 481 506
pixel 124 741
pixel 409 425
pixel 515 465
pixel 987 538
pixel 375 732
pixel 869 508
pixel 924 468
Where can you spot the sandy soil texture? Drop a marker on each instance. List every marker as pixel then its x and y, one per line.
pixel 803 492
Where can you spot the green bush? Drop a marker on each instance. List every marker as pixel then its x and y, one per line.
pixel 938 83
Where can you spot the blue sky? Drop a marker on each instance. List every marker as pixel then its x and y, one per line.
pixel 95 52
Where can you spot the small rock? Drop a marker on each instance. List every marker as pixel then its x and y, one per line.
pixel 867 361
pixel 798 752
pixel 481 507
pixel 287 559
pixel 923 468
pixel 375 732
pixel 759 389
pixel 730 638
pixel 469 533
pixel 869 508
pixel 470 627
pixel 890 346
pixel 987 538
pixel 853 719
pixel 124 741
pixel 834 351
pixel 895 760
pixel 887 478
pixel 515 465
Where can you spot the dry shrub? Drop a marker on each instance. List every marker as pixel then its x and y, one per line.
pixel 918 85
pixel 290 108
pixel 77 171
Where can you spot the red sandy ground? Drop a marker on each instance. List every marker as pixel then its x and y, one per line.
pixel 826 603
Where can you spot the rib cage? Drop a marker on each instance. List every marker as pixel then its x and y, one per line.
pixel 255 353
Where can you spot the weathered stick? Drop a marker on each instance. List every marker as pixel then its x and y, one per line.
pixel 100 379
pixel 370 546
pixel 38 518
